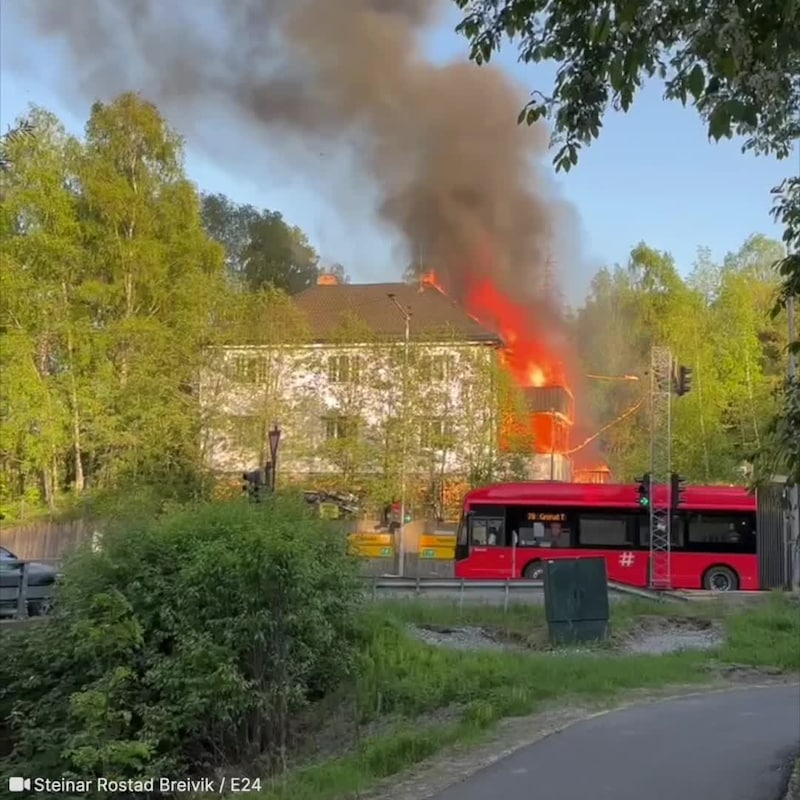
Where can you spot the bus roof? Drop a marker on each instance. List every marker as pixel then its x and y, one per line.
pixel 608 495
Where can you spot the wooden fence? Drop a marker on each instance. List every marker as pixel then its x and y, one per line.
pixel 45 539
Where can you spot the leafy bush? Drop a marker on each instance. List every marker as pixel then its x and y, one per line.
pixel 183 644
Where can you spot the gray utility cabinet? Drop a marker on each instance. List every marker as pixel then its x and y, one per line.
pixel 576 600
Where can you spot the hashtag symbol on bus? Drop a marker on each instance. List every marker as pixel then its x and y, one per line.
pixel 626 559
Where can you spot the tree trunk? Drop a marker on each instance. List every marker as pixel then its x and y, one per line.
pixel 80 480
pixel 48 486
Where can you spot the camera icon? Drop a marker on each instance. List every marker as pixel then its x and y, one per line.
pixel 19 784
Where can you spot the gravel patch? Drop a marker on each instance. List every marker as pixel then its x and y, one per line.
pixel 466 638
pixel 673 642
pixel 658 636
pixel 650 636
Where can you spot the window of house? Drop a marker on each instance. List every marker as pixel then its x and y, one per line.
pixel 435 432
pixel 435 368
pixel 343 369
pixel 604 530
pixel 249 368
pixel 339 427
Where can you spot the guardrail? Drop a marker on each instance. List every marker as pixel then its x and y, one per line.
pixel 506 591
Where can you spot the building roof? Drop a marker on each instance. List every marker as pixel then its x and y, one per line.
pixel 432 312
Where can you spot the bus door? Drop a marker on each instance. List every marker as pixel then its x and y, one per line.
pixel 490 556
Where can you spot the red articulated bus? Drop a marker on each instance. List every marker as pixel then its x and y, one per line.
pixel 509 530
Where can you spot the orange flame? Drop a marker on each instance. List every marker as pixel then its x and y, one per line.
pixel 530 361
pixel 526 353
pixel 430 279
pixel 529 358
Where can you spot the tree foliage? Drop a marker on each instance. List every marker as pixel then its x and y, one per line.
pixel 110 286
pixel 170 653
pixel 716 321
pixel 737 63
pixel 262 249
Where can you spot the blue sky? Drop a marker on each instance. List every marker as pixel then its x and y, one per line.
pixel 652 176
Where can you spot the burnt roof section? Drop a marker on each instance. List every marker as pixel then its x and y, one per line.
pixel 432 312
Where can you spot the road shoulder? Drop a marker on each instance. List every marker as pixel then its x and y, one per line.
pixel 459 763
pixel 793 789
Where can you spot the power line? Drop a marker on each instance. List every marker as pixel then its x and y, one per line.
pixel 624 415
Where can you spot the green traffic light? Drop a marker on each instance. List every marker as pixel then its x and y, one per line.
pixel 644 502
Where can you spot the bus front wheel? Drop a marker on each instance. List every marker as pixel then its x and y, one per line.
pixel 720 579
pixel 533 571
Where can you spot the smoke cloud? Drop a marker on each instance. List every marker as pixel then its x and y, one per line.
pixel 457 175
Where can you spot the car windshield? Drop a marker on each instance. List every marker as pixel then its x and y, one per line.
pixel 7 554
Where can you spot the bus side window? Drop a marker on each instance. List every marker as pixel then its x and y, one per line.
pixel 544 534
pixel 558 535
pixel 722 532
pixel 604 530
pixel 479 533
pixel 678 532
pixel 487 532
pixel 496 536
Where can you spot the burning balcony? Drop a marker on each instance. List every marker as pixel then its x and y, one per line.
pixel 551 400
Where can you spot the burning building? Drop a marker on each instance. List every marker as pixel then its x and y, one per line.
pixel 437 143
pixel 541 428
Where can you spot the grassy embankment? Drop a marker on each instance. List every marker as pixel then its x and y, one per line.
pixel 413 700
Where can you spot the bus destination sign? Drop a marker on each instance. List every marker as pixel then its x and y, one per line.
pixel 546 516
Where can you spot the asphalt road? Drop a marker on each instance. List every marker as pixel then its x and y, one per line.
pixel 732 745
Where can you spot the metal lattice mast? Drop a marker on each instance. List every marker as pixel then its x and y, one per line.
pixel 660 467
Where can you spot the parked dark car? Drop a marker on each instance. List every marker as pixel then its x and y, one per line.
pixel 41 581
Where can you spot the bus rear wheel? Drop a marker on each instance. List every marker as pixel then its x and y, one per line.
pixel 533 571
pixel 720 579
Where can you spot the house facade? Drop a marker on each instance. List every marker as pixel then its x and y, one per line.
pixel 389 382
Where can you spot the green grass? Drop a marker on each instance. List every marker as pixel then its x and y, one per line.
pixel 767 636
pixel 404 679
pixel 528 621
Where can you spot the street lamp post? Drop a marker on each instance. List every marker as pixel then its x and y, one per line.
pixel 274 437
pixel 401 543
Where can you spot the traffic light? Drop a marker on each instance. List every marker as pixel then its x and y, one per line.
pixel 645 485
pixel 677 493
pixel 684 381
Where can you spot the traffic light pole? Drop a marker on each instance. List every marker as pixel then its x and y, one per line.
pixel 661 379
